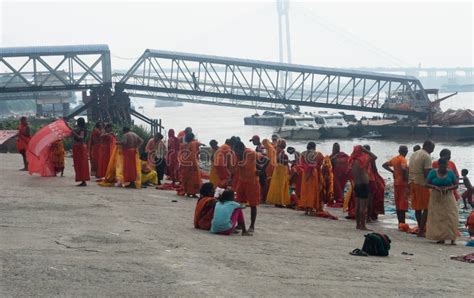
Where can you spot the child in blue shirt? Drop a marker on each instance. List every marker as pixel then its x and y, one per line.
pixel 228 215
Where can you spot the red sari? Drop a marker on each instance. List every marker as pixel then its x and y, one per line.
pixel 172 156
pixel 129 165
pixel 95 150
pixel 107 145
pixel 189 167
pixel 341 176
pixel 23 138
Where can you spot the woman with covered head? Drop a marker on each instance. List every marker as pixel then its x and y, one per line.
pixel 442 207
pixel 172 156
pixel 279 193
pixel 189 165
pixel 22 141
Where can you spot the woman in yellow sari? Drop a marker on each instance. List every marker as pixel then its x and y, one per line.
pixel 279 191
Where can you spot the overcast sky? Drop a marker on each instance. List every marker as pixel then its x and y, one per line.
pixel 334 34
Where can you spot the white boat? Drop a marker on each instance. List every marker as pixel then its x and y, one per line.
pixel 332 125
pixel 300 127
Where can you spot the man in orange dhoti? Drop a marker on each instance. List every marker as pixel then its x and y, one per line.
pixel 418 168
pixel 340 168
pixel 398 166
pixel 94 147
pixel 106 147
pixel 310 165
pixel 189 166
pixel 79 153
pixel 248 186
pixel 130 144
pixel 22 141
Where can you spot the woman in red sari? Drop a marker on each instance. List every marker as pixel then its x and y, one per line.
pixel 107 145
pixel 172 157
pixel 22 141
pixel 340 169
pixel 94 147
pixel 79 153
pixel 189 166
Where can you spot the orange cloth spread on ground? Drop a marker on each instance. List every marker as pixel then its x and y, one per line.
pixel 204 213
pixel 399 164
pixel 223 162
pixel 452 167
pixel 23 138
pixel 81 162
pixel 420 196
pixel 248 186
pixel 310 164
pixel 189 167
pixel 94 146
pixel 57 155
pixel 106 147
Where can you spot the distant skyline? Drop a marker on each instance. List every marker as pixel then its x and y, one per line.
pixel 331 34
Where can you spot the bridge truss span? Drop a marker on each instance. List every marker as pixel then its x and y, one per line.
pixel 250 83
pixel 54 68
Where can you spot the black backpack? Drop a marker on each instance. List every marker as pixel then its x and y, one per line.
pixel 376 244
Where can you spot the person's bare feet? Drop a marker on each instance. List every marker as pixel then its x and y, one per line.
pixel 251 229
pixel 24 169
pixel 453 242
pixel 246 234
pixel 83 183
pixel 364 228
pixel 420 235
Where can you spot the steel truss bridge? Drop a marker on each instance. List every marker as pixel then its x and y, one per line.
pixel 256 84
pixel 198 79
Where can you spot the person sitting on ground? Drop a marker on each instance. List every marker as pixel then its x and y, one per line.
pixel 227 215
pixel 149 176
pixel 205 205
pixel 470 224
pixel 467 195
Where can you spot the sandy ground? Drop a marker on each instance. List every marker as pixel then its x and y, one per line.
pixel 58 239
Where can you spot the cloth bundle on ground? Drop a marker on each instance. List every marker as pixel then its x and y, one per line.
pixel 376 244
pixel 469 258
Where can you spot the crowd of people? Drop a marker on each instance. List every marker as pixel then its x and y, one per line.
pixel 270 173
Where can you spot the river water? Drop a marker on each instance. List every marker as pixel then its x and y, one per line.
pixel 214 122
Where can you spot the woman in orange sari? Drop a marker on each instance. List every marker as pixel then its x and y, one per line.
pixel 22 141
pixel 107 145
pixel 172 157
pixel 189 166
pixel 340 169
pixel 310 164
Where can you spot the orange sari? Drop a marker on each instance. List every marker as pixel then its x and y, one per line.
pixel 310 189
pixel 248 186
pixel 189 167
pixel 223 162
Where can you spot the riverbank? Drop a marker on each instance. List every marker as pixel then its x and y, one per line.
pixel 58 239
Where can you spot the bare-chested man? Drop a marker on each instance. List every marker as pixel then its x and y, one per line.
pixel 130 144
pixel 360 161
